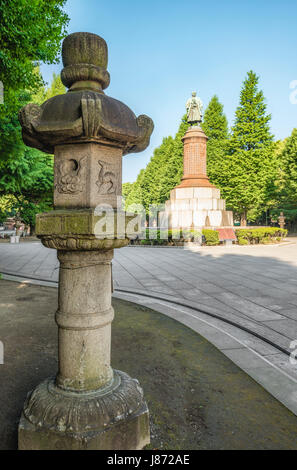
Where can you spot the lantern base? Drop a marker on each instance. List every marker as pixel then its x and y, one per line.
pixel 114 417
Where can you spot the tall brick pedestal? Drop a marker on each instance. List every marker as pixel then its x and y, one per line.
pixel 195 203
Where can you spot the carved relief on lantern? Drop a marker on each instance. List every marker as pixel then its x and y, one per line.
pixel 87 175
pixel 69 176
pixel 107 181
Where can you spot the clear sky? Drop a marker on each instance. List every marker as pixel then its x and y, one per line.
pixel 162 50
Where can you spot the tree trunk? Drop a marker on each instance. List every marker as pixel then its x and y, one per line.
pixel 243 219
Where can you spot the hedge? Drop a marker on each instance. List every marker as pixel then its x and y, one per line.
pixel 171 237
pixel 260 235
pixel 211 237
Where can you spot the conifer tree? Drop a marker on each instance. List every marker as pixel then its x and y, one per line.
pixel 135 195
pixel 250 166
pixel 215 126
pixel 289 164
pixel 163 172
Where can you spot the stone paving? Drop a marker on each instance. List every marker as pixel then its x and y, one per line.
pixel 253 289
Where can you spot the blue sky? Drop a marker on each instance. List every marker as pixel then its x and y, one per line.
pixel 160 51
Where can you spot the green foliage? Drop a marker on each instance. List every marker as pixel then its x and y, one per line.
pixel 163 172
pixel 250 167
pixel 290 213
pixel 289 160
pixel 211 237
pixel 165 169
pixel 242 241
pixel 29 174
pixel 30 32
pixel 28 178
pixel 56 88
pixel 11 138
pixel 260 235
pixel 168 237
pixel 7 204
pixel 126 189
pixel 26 174
pixel 134 196
pixel 215 126
pixel 284 196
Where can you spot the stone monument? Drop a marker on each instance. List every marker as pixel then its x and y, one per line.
pixel 88 405
pixel 195 203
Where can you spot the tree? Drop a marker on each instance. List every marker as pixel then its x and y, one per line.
pixel 135 195
pixel 250 165
pixel 215 126
pixel 56 88
pixel 163 172
pixel 30 32
pixel 285 194
pixel 154 173
pixel 26 174
pixel 172 173
pixel 289 160
pixel 126 189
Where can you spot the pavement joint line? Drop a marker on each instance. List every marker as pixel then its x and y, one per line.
pixel 211 314
pixel 286 400
pixel 242 314
pixel 239 341
pixel 240 296
pixel 175 302
pixel 244 346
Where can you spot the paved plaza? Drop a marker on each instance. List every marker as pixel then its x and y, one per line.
pixel 242 299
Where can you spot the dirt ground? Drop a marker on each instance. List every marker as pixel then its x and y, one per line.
pixel 198 399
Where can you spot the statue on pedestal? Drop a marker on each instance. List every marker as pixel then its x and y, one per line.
pixel 194 108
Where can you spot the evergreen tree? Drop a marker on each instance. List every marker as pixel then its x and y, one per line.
pixel 152 181
pixel 284 196
pixel 289 166
pixel 56 88
pixel 163 172
pixel 126 189
pixel 135 195
pixel 172 173
pixel 250 165
pixel 215 126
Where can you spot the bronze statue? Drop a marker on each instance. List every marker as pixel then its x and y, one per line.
pixel 194 108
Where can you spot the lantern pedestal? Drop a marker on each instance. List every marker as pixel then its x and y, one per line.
pixel 88 405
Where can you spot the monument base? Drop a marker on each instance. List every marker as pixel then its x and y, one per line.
pixel 196 208
pixel 114 417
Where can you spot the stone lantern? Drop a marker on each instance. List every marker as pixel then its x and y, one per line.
pixel 281 220
pixel 88 405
